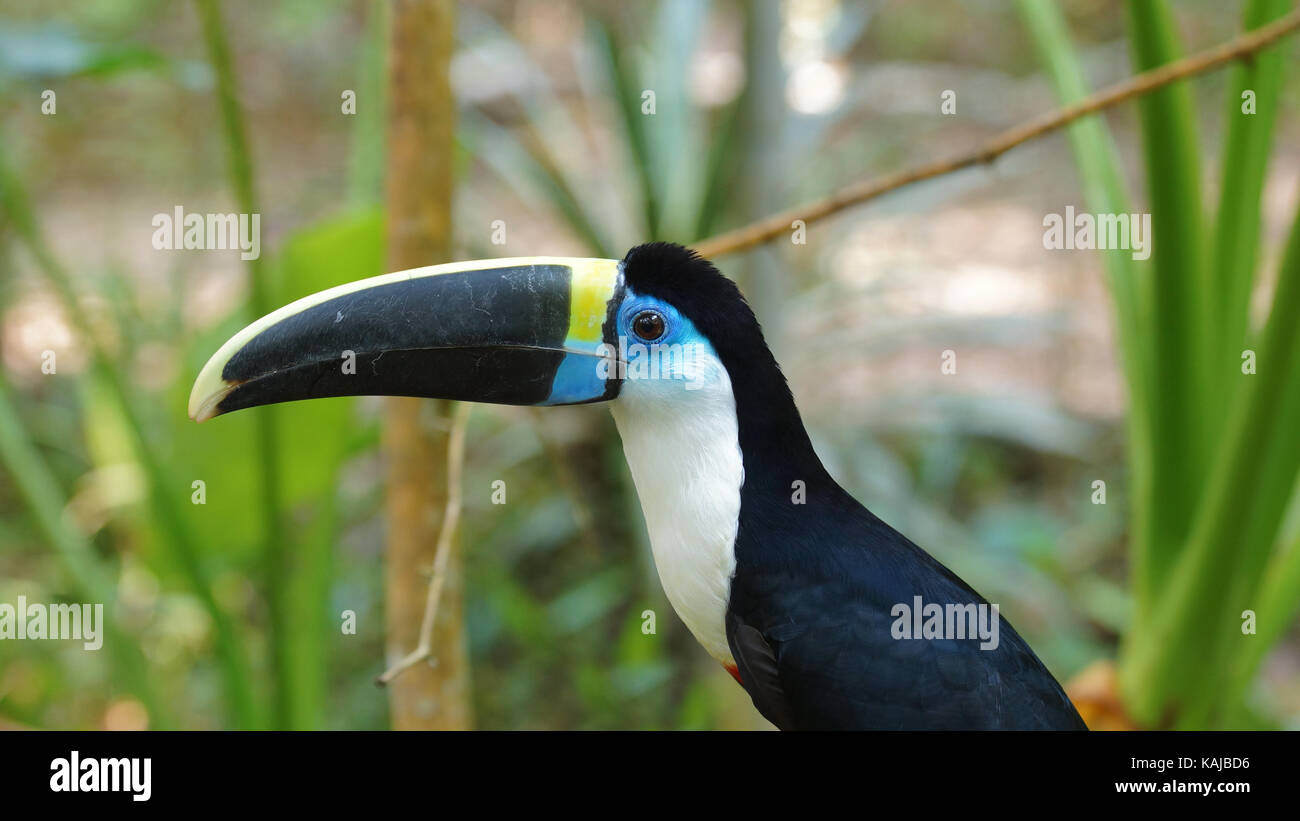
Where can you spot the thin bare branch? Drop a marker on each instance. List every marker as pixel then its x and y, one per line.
pixel 450 520
pixel 770 228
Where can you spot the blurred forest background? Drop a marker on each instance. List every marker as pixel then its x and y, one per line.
pixel 759 106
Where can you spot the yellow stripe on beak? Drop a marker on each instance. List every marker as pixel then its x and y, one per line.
pixel 594 284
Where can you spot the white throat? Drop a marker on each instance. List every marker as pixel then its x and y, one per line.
pixel 683 449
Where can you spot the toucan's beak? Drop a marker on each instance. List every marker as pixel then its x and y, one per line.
pixel 527 331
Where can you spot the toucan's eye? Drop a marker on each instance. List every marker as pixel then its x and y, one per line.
pixel 649 325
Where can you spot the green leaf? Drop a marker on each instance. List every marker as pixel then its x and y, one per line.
pixel 52 51
pixel 1180 659
pixel 1184 338
pixel 1244 163
pixel 615 52
pixel 1105 192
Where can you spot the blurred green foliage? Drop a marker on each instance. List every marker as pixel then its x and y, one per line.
pixel 1214 445
pixel 96 470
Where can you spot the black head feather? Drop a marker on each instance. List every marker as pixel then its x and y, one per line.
pixel 772 436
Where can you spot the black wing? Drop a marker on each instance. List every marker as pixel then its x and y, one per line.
pixel 759 673
pixel 811 634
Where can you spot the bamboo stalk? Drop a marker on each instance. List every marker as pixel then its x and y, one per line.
pixel 421 134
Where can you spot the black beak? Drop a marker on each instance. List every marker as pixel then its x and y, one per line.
pixel 527 331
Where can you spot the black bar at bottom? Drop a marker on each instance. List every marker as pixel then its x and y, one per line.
pixel 584 772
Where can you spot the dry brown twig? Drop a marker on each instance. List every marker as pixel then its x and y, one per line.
pixel 450 519
pixel 770 228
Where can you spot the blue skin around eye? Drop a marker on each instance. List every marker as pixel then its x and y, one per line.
pixel 577 379
pixel 677 328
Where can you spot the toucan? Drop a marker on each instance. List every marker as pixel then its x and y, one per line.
pixel 828 617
